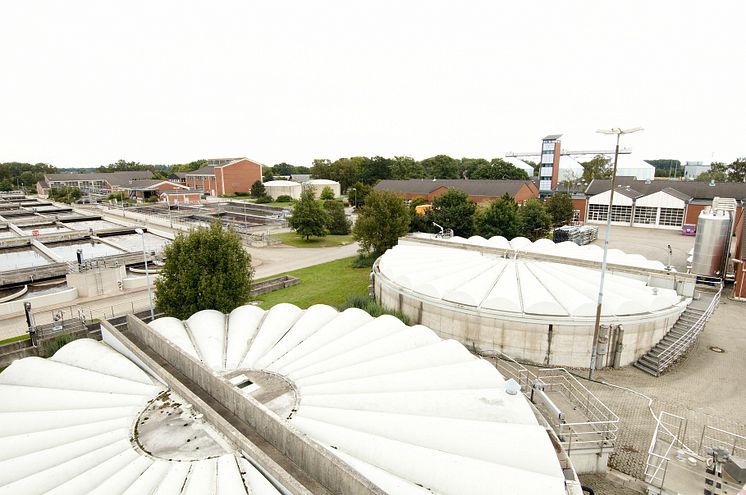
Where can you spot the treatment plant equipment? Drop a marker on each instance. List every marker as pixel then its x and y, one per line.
pixel 712 243
pixel 284 401
pixel 533 301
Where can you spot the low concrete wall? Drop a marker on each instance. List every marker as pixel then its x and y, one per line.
pixel 273 284
pixel 13 308
pixel 317 462
pixel 97 281
pixel 138 282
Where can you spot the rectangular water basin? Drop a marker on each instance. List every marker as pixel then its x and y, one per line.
pixel 91 249
pixel 21 257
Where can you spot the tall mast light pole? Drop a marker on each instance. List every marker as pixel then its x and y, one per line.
pixel 597 327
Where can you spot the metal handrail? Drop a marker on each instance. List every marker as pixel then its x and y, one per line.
pixel 602 420
pixel 661 426
pixel 669 354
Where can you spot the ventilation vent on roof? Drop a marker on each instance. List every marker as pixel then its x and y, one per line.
pixel 712 182
pixel 627 187
pixel 647 181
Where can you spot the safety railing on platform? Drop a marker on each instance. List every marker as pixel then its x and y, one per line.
pixel 558 396
pixel 677 348
pixel 669 430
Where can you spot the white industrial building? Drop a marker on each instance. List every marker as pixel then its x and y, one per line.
pixel 569 169
pixel 664 209
pixel 411 413
pixel 533 301
pixel 318 186
pixel 277 188
pixel 631 166
pixel 520 164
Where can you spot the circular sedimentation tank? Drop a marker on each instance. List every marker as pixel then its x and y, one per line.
pixel 411 412
pixel 534 308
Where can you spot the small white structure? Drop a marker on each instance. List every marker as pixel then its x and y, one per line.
pixel 318 186
pixel 569 169
pixel 632 166
pixel 520 164
pixel 277 188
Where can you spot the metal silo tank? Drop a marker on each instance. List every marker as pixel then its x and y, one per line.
pixel 713 230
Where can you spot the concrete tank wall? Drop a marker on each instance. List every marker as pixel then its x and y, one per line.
pixel 567 344
pixel 277 188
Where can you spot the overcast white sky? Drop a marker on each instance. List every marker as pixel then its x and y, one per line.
pixel 85 83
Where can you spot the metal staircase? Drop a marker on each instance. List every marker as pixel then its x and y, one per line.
pixel 681 337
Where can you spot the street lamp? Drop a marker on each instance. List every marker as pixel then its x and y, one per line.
pixel 147 273
pixel 354 191
pixel 596 328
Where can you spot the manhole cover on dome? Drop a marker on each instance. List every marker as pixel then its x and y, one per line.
pixel 719 350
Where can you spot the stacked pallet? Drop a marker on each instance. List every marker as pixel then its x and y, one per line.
pixel 580 235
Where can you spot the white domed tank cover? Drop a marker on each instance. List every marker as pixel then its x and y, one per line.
pixel 413 413
pixel 277 188
pixel 405 408
pixel 88 420
pixel 318 186
pixel 482 281
pixel 508 301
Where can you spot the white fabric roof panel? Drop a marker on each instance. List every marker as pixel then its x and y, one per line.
pixel 65 424
pixel 411 411
pixel 349 368
pixel 516 285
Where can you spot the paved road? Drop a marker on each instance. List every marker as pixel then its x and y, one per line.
pixel 650 243
pixel 278 259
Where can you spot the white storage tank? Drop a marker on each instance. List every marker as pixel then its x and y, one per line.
pixel 713 231
pixel 318 186
pixel 534 309
pixel 277 188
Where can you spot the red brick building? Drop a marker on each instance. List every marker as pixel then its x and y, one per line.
pixel 180 197
pixel 478 190
pixel 143 189
pixel 225 176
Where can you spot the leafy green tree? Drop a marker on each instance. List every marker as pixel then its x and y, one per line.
pixel 440 167
pixel 468 166
pixel 375 169
pixel 326 194
pixel 206 268
pixel 267 175
pixel 321 169
pixel 283 169
pixel 560 208
pixel 499 169
pixel 67 195
pixel 258 190
pixel 417 222
pixel 454 210
pixel 500 218
pixel 309 218
pixel 598 167
pixel 188 167
pixel 357 193
pixel 535 220
pixel 380 222
pixel 338 223
pixel 406 167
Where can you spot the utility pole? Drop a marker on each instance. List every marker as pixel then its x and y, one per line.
pixel 597 326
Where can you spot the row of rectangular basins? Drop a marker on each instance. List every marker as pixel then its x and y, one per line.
pixel 25 257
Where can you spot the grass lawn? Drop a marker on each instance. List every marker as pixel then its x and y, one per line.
pixel 14 339
pixel 329 283
pixel 293 239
